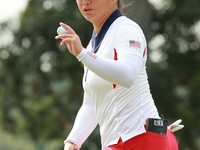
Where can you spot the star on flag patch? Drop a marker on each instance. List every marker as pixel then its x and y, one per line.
pixel 134 44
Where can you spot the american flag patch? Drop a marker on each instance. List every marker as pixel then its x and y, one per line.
pixel 134 44
pixel 92 55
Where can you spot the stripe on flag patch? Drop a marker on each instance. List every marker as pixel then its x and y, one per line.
pixel 92 55
pixel 134 44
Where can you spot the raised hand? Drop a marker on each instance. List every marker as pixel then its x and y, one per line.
pixel 71 39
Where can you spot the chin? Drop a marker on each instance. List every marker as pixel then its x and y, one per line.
pixel 88 18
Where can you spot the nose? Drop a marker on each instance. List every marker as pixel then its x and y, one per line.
pixel 86 2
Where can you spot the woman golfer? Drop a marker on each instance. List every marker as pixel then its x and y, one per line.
pixel 116 89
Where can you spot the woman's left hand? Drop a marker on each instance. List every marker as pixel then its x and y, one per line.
pixel 71 39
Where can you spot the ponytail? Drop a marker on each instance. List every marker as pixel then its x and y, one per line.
pixel 119 4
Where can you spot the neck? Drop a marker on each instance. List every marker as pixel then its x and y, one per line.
pixel 98 25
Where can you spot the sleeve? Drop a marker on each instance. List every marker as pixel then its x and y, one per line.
pixel 125 71
pixel 130 42
pixel 84 124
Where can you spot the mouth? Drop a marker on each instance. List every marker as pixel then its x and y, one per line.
pixel 87 10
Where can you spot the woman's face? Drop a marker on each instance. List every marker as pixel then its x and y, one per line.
pixel 97 11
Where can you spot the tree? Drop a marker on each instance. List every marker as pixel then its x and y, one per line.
pixel 42 81
pixel 174 69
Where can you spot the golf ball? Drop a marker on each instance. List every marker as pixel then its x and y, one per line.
pixel 61 30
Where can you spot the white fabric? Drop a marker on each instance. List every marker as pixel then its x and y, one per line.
pixel 176 126
pixel 120 111
pixel 123 72
pixel 85 122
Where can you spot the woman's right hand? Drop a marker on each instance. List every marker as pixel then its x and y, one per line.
pixel 71 39
pixel 71 146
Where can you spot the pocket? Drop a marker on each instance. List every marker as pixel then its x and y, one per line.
pixel 172 142
pixel 154 141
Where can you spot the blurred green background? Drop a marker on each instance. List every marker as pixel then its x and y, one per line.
pixel 40 81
